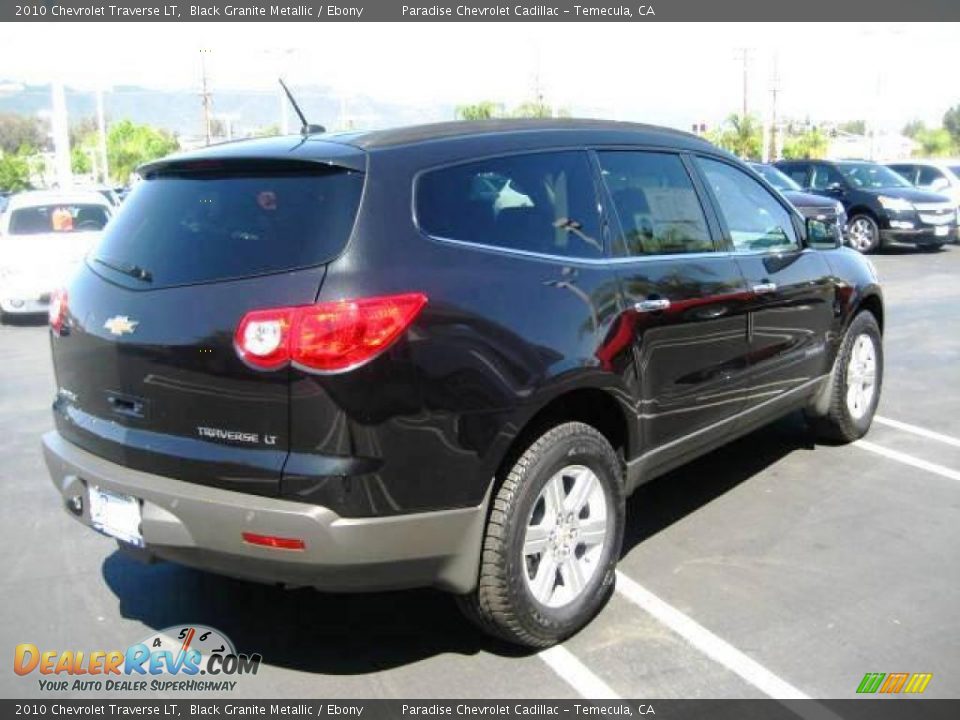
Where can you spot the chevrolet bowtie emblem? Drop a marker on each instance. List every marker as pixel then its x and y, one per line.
pixel 121 325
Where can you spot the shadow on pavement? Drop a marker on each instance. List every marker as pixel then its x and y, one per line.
pixel 349 634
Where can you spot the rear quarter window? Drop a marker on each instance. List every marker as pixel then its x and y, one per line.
pixel 194 226
pixel 543 203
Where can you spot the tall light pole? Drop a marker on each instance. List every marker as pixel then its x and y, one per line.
pixel 102 139
pixel 205 97
pixel 61 136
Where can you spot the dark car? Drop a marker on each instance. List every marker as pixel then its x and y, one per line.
pixel 818 207
pixel 882 206
pixel 441 355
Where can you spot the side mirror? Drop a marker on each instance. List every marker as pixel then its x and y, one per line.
pixel 822 235
pixel 939 184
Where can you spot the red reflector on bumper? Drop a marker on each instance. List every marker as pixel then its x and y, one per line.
pixel 272 541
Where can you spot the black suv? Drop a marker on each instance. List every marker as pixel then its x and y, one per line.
pixel 881 205
pixel 441 355
pixel 818 207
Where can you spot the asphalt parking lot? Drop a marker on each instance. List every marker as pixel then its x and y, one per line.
pixel 773 566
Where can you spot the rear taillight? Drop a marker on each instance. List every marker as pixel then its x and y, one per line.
pixel 326 337
pixel 57 311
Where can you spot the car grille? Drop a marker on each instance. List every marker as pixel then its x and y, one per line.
pixel 819 213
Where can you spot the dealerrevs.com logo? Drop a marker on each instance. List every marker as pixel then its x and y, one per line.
pixel 186 658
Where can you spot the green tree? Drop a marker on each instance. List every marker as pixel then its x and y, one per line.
pixel 18 131
pixel 538 109
pixel 853 127
pixel 483 110
pixel 741 135
pixel 913 128
pixel 951 122
pixel 79 161
pixel 130 145
pixel 811 144
pixel 934 143
pixel 17 168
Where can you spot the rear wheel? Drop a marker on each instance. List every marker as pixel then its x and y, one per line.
pixel 855 382
pixel 863 233
pixel 552 541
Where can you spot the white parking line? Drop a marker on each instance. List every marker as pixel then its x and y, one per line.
pixel 908 459
pixel 917 430
pixel 706 642
pixel 565 664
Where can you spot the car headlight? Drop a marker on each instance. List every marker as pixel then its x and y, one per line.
pixel 895 204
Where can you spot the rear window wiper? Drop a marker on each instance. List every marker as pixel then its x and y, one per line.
pixel 134 271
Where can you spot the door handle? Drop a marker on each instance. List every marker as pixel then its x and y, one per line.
pixel 651 305
pixel 764 288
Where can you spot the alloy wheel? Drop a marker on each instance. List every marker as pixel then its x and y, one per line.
pixel 861 376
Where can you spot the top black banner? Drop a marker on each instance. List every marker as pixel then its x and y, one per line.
pixel 477 11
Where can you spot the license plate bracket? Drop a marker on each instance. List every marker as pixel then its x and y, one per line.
pixel 116 515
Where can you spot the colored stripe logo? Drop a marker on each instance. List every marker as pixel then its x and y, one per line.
pixel 893 683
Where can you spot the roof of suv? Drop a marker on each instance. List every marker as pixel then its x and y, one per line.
pixel 346 147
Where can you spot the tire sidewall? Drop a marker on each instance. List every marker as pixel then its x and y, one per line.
pixel 577 449
pixel 863 324
pixel 876 232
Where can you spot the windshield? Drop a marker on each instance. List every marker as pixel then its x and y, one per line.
pixel 871 177
pixel 775 177
pixel 60 218
pixel 183 227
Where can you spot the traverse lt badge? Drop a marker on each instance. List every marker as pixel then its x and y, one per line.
pixel 121 325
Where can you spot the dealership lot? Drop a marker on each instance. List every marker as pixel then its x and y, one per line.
pixel 772 566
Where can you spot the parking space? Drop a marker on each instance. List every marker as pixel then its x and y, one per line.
pixel 770 566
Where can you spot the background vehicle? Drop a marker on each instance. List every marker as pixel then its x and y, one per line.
pixel 43 236
pixel 939 176
pixel 350 362
pixel 818 207
pixel 881 205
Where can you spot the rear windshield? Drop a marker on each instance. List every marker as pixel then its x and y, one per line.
pixel 63 218
pixel 185 227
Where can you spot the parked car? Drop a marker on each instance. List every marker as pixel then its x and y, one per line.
pixel 939 176
pixel 881 205
pixel 43 235
pixel 818 207
pixel 345 363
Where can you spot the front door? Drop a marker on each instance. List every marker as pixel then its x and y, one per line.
pixel 791 294
pixel 684 301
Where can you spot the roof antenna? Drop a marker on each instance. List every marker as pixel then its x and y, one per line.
pixel 305 127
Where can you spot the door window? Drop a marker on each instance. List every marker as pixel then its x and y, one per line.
pixel 908 171
pixel 542 202
pixel 655 200
pixel 824 177
pixel 754 217
pixel 798 173
pixel 928 176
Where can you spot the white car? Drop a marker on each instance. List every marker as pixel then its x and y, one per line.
pixel 940 176
pixel 44 235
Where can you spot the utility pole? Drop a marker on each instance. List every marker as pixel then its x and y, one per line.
pixel 61 136
pixel 102 139
pixel 774 90
pixel 745 56
pixel 205 97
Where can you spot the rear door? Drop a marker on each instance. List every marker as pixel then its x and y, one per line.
pixel 684 300
pixel 146 368
pixel 790 288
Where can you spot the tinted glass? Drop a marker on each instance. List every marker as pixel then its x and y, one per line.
pixel 797 173
pixel 194 227
pixel 909 172
pixel 658 208
pixel 756 220
pixel 928 175
pixel 775 177
pixel 871 176
pixel 543 202
pixel 65 218
pixel 824 176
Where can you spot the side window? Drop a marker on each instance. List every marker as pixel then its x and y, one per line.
pixel 797 173
pixel 824 176
pixel 658 208
pixel 908 171
pixel 929 175
pixel 540 202
pixel 756 220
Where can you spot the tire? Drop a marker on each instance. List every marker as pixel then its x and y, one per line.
pixel 847 420
pixel 517 599
pixel 863 234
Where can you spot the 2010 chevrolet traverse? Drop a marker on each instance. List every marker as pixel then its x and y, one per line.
pixel 441 355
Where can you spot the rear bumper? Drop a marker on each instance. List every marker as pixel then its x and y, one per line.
pixel 201 526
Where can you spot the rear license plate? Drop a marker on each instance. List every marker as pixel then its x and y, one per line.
pixel 116 515
pixel 941 231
